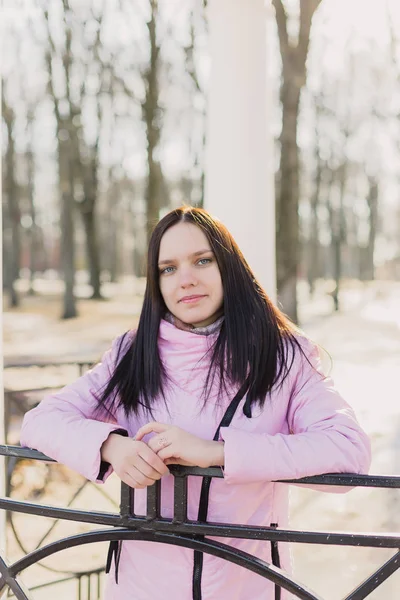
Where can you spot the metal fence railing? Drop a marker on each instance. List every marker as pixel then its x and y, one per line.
pixel 181 531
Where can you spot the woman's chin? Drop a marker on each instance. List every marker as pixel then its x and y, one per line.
pixel 194 317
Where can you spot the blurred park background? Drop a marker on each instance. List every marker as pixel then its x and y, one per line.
pixel 104 129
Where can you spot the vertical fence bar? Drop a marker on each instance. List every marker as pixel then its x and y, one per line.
pixel 154 501
pixel 98 586
pixel 127 503
pixel 180 499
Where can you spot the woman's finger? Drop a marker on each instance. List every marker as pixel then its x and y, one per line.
pixel 158 442
pixel 147 470
pixel 167 452
pixel 141 479
pixel 152 459
pixel 178 461
pixel 131 481
pixel 152 427
pixel 171 458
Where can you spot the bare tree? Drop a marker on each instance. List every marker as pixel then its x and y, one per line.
pixel 319 170
pixel 368 264
pixel 87 156
pixel 12 254
pixel 65 167
pixel 152 113
pixel 337 222
pixel 89 175
pixel 33 229
pixel 190 51
pixel 79 72
pixel 294 56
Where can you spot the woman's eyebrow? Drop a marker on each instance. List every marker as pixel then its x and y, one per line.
pixel 197 253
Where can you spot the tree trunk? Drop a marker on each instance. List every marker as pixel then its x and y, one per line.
pixel 287 242
pixel 112 233
pixel 89 223
pixel 113 239
pixel 65 170
pixel 89 176
pixel 152 111
pixel 114 253
pixel 294 58
pixel 337 230
pixel 152 207
pixel 313 244
pixel 191 68
pixel 11 190
pixel 67 230
pixel 337 263
pixel 33 229
pixel 372 198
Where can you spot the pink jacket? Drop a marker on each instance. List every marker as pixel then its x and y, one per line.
pixel 305 428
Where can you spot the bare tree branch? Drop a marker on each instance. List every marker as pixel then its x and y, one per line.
pixel 189 56
pixel 307 10
pixel 281 21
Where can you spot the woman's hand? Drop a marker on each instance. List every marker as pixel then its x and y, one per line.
pixel 176 446
pixel 135 463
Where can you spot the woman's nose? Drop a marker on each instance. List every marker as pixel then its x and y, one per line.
pixel 187 277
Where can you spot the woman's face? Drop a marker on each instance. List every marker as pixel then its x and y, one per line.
pixel 190 281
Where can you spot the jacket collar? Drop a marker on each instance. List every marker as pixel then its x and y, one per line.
pixel 207 330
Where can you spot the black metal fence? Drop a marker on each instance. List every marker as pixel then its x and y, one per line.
pixel 181 531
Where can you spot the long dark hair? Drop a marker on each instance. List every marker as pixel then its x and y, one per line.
pixel 256 344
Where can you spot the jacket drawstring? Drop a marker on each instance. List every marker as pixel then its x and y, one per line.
pixel 114 551
pixel 205 493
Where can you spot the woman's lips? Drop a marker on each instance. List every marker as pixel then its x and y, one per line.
pixel 191 299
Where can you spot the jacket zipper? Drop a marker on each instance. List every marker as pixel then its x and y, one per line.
pixel 275 560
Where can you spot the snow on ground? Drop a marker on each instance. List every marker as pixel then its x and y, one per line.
pixel 364 343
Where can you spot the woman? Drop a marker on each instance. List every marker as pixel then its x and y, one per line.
pixel 207 334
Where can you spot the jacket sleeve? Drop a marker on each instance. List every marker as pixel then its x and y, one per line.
pixel 67 427
pixel 324 437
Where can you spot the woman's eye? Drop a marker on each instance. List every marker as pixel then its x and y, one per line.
pixel 204 261
pixel 166 270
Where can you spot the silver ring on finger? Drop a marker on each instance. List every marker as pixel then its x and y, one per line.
pixel 163 443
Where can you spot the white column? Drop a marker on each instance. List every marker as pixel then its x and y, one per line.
pixel 239 162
